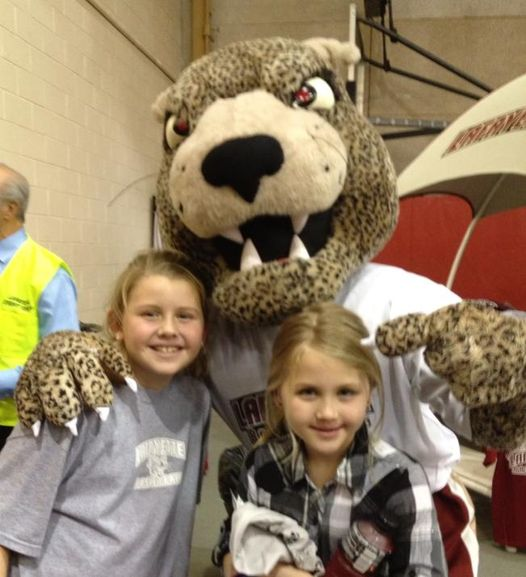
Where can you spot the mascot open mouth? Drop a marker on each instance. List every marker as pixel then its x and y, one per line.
pixel 274 238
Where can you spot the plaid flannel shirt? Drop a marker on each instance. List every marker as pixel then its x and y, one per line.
pixel 374 481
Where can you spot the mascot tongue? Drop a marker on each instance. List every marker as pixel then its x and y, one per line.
pixel 274 238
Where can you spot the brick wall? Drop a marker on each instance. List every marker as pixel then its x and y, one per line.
pixel 75 98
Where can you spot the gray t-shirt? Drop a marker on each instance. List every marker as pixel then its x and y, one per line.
pixel 118 499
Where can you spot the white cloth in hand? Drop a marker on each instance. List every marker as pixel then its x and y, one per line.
pixel 261 538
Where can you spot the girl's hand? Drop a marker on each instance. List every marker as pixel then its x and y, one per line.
pixel 228 566
pixel 283 570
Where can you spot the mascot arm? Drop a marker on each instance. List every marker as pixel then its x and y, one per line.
pixel 68 371
pixel 481 353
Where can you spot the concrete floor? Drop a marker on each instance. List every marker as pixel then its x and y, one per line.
pixel 494 561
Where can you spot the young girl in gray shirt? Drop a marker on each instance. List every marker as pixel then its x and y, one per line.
pixel 119 498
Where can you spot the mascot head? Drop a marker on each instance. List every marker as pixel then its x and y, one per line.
pixel 272 183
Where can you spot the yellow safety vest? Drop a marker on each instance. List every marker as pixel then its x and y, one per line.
pixel 21 284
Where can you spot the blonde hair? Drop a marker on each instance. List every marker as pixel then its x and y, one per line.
pixel 329 329
pixel 165 263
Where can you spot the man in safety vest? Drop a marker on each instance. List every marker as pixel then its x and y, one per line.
pixel 37 292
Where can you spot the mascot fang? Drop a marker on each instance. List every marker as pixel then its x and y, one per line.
pixel 280 193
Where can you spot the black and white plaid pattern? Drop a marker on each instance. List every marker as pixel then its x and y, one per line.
pixel 374 482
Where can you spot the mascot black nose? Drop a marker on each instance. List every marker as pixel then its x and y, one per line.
pixel 241 162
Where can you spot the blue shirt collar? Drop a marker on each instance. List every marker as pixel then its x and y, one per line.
pixel 9 245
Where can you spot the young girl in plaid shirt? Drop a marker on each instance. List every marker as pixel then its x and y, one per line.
pixel 319 481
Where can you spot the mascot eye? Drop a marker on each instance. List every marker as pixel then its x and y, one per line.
pixel 314 93
pixel 175 130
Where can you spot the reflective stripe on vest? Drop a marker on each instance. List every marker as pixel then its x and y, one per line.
pixel 21 284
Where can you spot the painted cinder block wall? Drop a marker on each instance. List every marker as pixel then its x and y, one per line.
pixel 77 80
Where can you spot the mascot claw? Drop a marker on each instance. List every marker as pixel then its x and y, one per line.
pixel 72 426
pixel 35 427
pixel 132 384
pixel 103 413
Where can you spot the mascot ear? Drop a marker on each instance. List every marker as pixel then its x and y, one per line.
pixel 333 52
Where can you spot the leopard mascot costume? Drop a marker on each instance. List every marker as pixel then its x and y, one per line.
pixel 280 193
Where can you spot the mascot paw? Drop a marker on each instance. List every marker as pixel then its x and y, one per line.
pixel 478 350
pixel 66 371
pixel 501 426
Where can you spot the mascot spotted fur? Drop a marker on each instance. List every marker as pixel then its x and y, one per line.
pixel 280 193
